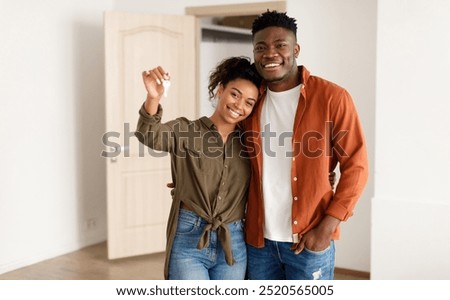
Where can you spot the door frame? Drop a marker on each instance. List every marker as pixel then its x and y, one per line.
pixel 234 9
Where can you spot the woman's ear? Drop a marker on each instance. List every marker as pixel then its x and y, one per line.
pixel 219 90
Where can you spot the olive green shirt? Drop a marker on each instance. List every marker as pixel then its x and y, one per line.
pixel 209 177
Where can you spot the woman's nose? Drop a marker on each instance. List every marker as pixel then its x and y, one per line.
pixel 239 103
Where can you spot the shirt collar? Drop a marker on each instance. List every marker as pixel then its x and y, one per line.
pixel 210 125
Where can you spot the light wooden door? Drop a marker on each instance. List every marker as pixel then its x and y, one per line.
pixel 138 199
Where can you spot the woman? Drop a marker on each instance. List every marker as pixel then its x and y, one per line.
pixel 205 237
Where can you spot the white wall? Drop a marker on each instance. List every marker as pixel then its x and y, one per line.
pixel 337 40
pixel 52 178
pixel 411 207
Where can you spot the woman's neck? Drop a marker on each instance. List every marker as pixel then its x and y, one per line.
pixel 223 128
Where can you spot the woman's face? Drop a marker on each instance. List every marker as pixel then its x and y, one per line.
pixel 236 100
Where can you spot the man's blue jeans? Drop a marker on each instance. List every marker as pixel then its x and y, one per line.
pixel 188 262
pixel 275 261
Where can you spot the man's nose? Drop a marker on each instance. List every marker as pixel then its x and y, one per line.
pixel 270 52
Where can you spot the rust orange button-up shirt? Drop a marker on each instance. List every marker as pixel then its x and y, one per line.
pixel 326 131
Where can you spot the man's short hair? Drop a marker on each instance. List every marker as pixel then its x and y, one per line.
pixel 274 18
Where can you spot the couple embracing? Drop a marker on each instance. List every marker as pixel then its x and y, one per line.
pixel 260 205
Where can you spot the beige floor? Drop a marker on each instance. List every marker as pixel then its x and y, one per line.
pixel 92 263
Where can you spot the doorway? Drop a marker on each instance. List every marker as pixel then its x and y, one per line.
pixel 217 43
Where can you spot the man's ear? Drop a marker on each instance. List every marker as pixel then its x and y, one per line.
pixel 296 50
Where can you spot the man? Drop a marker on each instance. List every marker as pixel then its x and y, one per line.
pixel 301 128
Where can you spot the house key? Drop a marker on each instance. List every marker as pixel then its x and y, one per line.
pixel 166 85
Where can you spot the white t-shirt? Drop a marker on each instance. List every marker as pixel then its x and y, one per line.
pixel 277 123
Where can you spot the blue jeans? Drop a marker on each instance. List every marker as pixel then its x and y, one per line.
pixel 275 261
pixel 188 262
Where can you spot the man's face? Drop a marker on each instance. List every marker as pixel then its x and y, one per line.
pixel 275 50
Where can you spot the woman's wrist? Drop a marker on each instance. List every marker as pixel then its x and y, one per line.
pixel 151 105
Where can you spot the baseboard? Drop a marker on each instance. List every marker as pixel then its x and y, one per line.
pixel 353 273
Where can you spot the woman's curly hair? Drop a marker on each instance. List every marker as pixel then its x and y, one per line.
pixel 230 69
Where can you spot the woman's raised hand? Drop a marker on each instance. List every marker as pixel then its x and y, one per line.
pixel 153 81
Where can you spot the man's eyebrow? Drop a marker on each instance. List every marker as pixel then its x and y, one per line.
pixel 274 41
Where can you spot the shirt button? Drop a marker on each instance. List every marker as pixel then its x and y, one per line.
pixel 295 198
pixel 226 166
pixel 223 183
pixel 293 158
pixel 295 178
pixel 220 198
pixel 295 222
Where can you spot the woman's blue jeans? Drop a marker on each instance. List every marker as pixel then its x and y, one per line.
pixel 188 262
pixel 275 261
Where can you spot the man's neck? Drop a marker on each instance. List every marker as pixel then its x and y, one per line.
pixel 285 83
